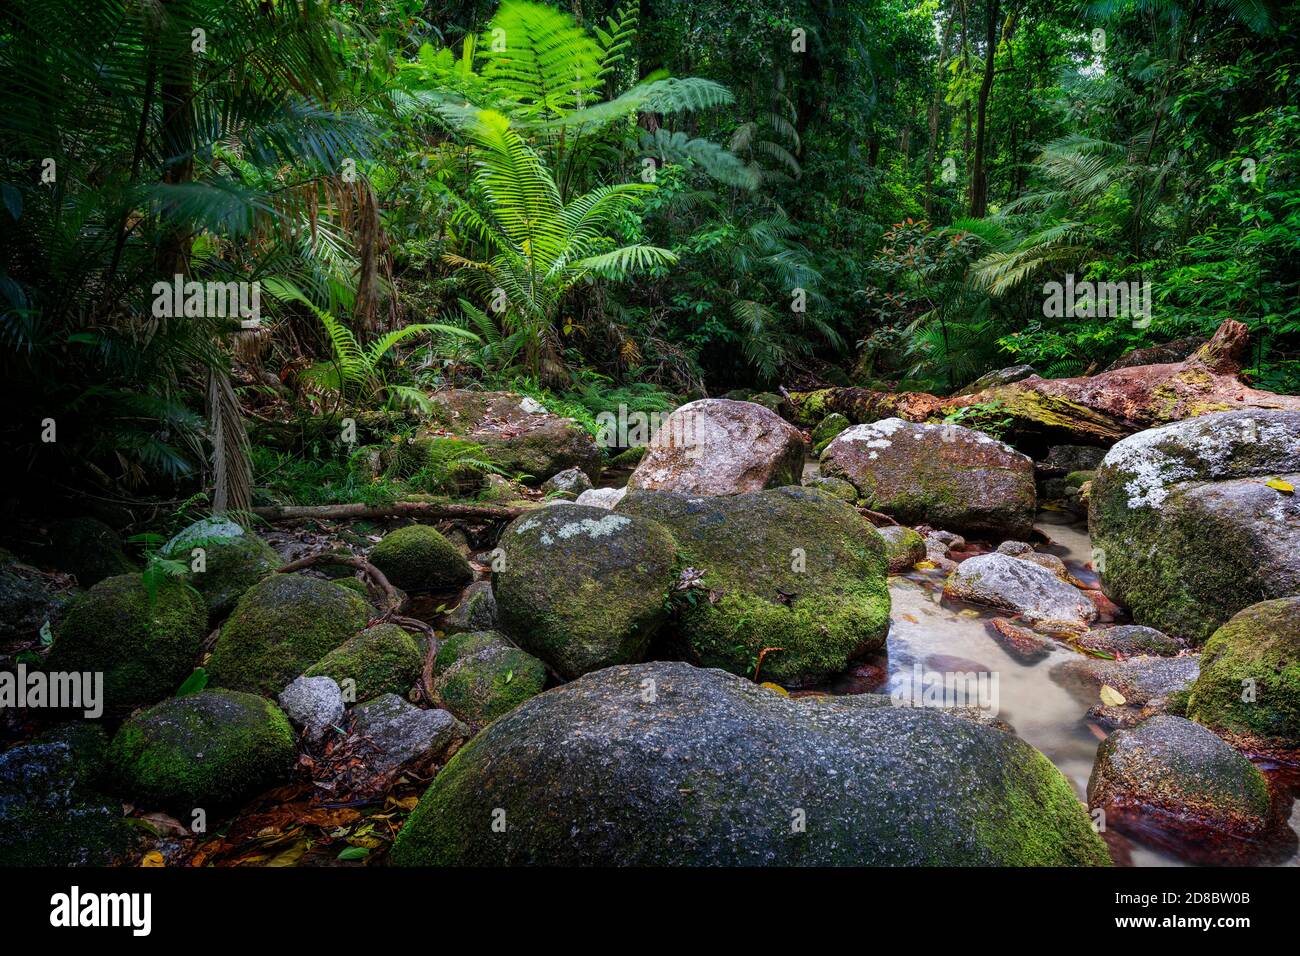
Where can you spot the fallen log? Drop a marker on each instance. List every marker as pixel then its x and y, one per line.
pixel 1093 410
pixel 428 510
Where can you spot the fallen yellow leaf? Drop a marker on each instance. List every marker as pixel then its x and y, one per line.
pixel 925 565
pixel 153 858
pixel 1111 697
pixel 1283 486
pixel 776 687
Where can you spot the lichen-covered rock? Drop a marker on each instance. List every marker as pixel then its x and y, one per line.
pixel 583 588
pixel 233 560
pixel 477 610
pixel 827 429
pixel 1186 529
pixel 833 486
pixel 942 475
pixel 903 547
pixel 402 734
pixel 315 704
pixel 1173 781
pixel 719 447
pixel 1028 589
pixel 480 676
pixel 668 764
pixel 567 484
pixel 1002 376
pixel 1141 680
pixel 280 627
pixel 1249 685
pixel 1132 640
pixel 383 659
pixel 212 750
pixel 602 497
pixel 52 809
pixel 145 641
pixel 518 434
pixel 419 558
pixel 88 549
pixel 790 568
pixel 1026 552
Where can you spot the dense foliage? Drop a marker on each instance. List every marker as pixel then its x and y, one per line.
pixel 605 202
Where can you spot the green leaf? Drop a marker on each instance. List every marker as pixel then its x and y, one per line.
pixel 194 683
pixel 354 853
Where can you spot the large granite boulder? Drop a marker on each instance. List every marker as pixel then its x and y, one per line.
pixel 1025 587
pixel 720 447
pixel 582 587
pixel 941 475
pixel 420 558
pixel 1185 527
pixel 790 568
pixel 1249 686
pixel 144 640
pixel 280 627
pixel 518 434
pixel 668 764
pixel 1174 782
pixel 231 562
pixel 480 676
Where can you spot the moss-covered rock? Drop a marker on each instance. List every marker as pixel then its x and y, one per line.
pixel 232 561
pixel 145 641
pixel 52 810
pixel 1131 640
pixel 383 659
pixel 903 547
pixel 1186 529
pixel 480 676
pixel 1173 781
pixel 628 457
pixel 88 549
pixel 477 610
pixel 669 764
pixel 834 486
pixel 212 750
pixel 419 558
pixel 280 627
pixel 790 568
pixel 583 587
pixel 826 430
pixel 1249 686
pixel 567 484
pixel 945 475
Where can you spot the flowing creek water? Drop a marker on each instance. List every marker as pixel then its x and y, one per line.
pixel 942 635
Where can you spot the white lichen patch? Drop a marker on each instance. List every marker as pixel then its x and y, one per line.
pixel 593 527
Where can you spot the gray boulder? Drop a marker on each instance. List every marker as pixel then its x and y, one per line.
pixel 569 483
pixel 1013 584
pixel 315 704
pixel 477 610
pixel 402 733
pixel 667 764
pixel 602 497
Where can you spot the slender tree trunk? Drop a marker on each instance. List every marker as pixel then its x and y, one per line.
pixel 936 110
pixel 979 187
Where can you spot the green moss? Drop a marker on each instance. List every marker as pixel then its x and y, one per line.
pixel 233 561
pixel 210 750
pixel 383 659
pixel 628 457
pixel 144 645
pixel 826 430
pixel 479 676
pixel 789 568
pixel 418 558
pixel 1259 650
pixel 281 626
pixel 1077 479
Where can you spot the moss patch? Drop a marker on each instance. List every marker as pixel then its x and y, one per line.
pixel 383 659
pixel 419 558
pixel 480 676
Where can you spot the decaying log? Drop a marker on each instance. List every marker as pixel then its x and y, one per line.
pixel 428 510
pixel 1094 410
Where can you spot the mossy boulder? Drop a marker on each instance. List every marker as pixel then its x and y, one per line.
pixel 1132 640
pixel 383 659
pixel 790 568
pixel 826 430
pixel 1175 782
pixel 943 475
pixel 903 547
pixel 665 764
pixel 582 587
pixel 213 750
pixel 477 610
pixel 233 560
pixel 280 627
pixel 834 486
pixel 1249 686
pixel 145 640
pixel 419 558
pixel 1186 530
pixel 52 808
pixel 480 676
pixel 88 549
pixel 628 457
pixel 517 433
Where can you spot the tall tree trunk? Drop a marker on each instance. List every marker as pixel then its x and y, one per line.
pixel 936 110
pixel 979 187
